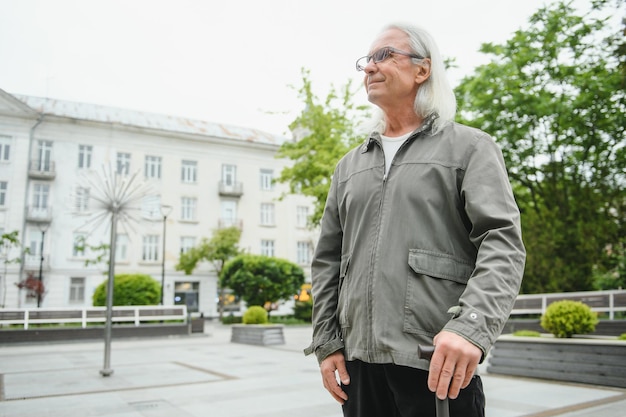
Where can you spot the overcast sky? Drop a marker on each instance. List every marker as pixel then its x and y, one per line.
pixel 228 61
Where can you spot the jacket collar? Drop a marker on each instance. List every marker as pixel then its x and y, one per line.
pixel 425 128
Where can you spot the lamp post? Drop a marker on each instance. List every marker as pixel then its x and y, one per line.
pixel 43 227
pixel 165 211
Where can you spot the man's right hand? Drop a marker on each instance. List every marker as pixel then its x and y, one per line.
pixel 330 364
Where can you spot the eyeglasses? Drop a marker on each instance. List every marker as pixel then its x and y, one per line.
pixel 381 55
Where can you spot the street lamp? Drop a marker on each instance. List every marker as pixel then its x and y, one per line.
pixel 165 211
pixel 43 227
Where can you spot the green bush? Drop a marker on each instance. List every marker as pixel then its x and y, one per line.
pixel 527 333
pixel 622 336
pixel 130 290
pixel 566 317
pixel 303 310
pixel 231 319
pixel 255 315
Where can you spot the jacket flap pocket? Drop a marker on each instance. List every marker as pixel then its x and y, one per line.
pixel 439 265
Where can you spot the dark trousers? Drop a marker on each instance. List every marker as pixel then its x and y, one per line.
pixel 386 390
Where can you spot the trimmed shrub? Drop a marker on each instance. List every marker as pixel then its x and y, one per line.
pixel 527 333
pixel 622 336
pixel 255 315
pixel 566 317
pixel 231 319
pixel 130 290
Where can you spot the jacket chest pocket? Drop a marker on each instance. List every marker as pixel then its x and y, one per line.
pixel 434 284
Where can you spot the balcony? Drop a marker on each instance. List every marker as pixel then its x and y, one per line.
pixel 38 214
pixel 225 222
pixel 234 189
pixel 33 262
pixel 41 170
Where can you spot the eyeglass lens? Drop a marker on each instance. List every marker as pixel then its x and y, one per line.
pixel 378 56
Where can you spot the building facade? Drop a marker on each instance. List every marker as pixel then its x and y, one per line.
pixel 60 160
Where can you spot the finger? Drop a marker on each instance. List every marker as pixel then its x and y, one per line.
pixel 445 378
pixel 333 387
pixel 458 378
pixel 471 370
pixel 342 372
pixel 434 371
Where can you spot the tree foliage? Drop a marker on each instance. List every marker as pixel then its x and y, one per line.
pixel 262 280
pixel 553 96
pixel 129 290
pixel 223 245
pixel 323 133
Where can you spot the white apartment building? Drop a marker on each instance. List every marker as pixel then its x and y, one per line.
pixel 55 160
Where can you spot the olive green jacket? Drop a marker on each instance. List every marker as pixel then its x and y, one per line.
pixel 435 244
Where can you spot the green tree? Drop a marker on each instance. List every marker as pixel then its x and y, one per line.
pixel 223 245
pixel 99 252
pixel 262 280
pixel 323 133
pixel 8 243
pixel 553 97
pixel 129 290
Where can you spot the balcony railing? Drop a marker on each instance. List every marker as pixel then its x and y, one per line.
pixel 224 223
pixel 234 189
pixel 38 214
pixel 33 262
pixel 41 169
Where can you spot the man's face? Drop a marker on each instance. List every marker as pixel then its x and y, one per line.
pixel 393 82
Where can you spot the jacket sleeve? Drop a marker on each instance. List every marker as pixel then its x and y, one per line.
pixel 495 231
pixel 325 270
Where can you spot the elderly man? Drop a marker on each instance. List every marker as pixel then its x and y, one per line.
pixel 420 244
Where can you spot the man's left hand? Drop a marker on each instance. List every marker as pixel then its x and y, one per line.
pixel 452 365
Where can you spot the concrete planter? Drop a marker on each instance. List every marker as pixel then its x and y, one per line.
pixel 589 361
pixel 258 334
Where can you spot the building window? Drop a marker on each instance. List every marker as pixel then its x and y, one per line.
pixel 123 163
pixel 84 156
pixel 150 248
pixel 5 148
pixel 302 216
pixel 82 199
pixel 304 253
pixel 189 171
pixel 229 175
pixel 79 246
pixel 228 217
pixel 267 214
pixel 44 156
pixel 151 207
pixel 267 179
pixel 121 248
pixel 188 209
pixel 3 193
pixel 41 194
pixel 267 247
pixel 153 167
pixel 187 243
pixel 77 290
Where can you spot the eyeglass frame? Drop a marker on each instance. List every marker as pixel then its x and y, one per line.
pixel 391 50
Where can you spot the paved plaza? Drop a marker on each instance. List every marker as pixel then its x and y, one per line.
pixel 205 375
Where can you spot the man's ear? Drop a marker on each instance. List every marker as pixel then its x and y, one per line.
pixel 422 71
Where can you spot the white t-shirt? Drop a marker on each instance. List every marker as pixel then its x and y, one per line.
pixel 391 146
